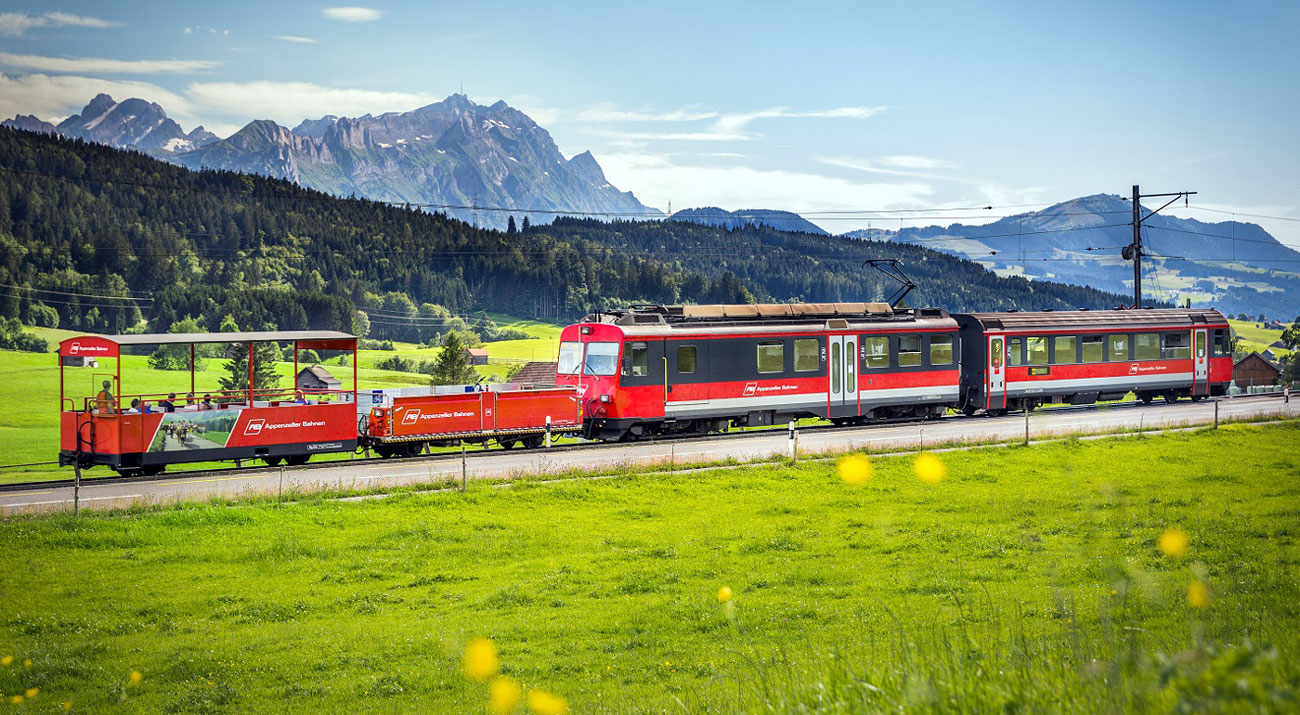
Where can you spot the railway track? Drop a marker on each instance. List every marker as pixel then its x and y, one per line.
pixel 469 454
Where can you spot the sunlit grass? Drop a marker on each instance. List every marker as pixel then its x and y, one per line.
pixel 1028 579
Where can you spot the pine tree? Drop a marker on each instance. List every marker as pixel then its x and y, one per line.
pixel 451 367
pixel 526 223
pixel 510 225
pixel 265 355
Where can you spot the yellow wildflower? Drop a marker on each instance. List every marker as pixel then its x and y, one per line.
pixel 67 706
pixel 136 677
pixel 503 696
pixel 1173 542
pixel 27 663
pixel 541 702
pixel 855 469
pixel 1198 594
pixel 7 661
pixel 33 692
pixel 16 700
pixel 481 660
pixel 929 468
pixel 724 594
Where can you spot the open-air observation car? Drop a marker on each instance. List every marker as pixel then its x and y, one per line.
pixel 141 433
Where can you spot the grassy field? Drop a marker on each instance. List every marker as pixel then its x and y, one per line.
pixel 1251 337
pixel 1138 574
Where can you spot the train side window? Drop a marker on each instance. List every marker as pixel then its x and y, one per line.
pixel 909 350
pixel 638 363
pixel 835 365
pixel 1200 344
pixel 1119 347
pixel 940 349
pixel 1015 352
pixel 1092 348
pixel 1221 346
pixel 1177 345
pixel 1066 350
pixel 877 351
pixel 771 356
pixel 1036 351
pixel 807 354
pixel 1146 346
pixel 686 359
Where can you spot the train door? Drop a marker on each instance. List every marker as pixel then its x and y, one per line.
pixel 843 367
pixel 1200 359
pixel 996 370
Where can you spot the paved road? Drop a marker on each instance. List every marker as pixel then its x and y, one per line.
pixel 504 464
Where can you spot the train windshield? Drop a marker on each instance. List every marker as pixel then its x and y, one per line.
pixel 602 359
pixel 570 357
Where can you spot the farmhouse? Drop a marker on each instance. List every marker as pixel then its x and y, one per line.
pixel 1254 370
pixel 317 377
pixel 475 356
pixel 536 373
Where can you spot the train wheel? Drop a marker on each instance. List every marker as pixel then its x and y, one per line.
pixel 534 442
pixel 508 443
pixel 968 410
pixel 271 461
pixel 412 449
pixel 297 460
pixel 1171 397
pixel 153 470
pixel 1146 398
pixel 384 451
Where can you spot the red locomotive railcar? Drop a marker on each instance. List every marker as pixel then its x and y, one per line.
pixel 702 368
pixel 1021 360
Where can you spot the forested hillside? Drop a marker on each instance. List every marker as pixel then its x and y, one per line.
pixel 155 241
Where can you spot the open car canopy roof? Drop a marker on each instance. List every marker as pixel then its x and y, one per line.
pixel 110 345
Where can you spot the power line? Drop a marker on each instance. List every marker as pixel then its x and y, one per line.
pixel 1240 213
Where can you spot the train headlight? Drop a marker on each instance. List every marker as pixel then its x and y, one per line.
pixel 606 399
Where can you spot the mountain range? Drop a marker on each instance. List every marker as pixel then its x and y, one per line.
pixel 449 156
pixel 780 220
pixel 1234 266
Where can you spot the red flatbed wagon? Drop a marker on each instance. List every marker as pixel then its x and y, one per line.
pixel 405 424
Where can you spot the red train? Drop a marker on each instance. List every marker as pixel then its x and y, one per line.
pixel 666 370
pixel 678 369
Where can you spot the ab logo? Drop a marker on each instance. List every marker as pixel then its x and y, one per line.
pixel 750 388
pixel 410 417
pixel 253 428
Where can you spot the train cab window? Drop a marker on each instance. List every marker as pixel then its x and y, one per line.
pixel 807 354
pixel 1119 347
pixel 771 356
pixel 1065 350
pixel 1093 348
pixel 569 359
pixel 686 359
pixel 637 363
pixel 1146 346
pixel 1015 352
pixel 602 359
pixel 940 349
pixel 876 350
pixel 909 350
pixel 1221 346
pixel 1036 351
pixel 1200 344
pixel 1177 345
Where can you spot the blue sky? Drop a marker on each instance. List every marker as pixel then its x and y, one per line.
pixel 841 106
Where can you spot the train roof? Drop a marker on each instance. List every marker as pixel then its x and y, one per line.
pixel 768 317
pixel 283 336
pixel 1098 319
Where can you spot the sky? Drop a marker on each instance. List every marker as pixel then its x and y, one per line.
pixel 865 108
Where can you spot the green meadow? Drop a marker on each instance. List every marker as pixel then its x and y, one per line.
pixel 1136 574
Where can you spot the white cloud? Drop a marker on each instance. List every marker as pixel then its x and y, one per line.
pixel 290 102
pixel 15 24
pixel 608 112
pixel 725 127
pixel 98 65
pixel 352 14
pixel 656 179
pixel 912 161
pixel 296 38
